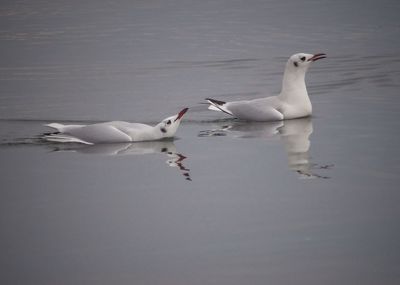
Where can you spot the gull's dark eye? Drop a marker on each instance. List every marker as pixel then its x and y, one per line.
pixel 303 58
pixel 296 64
pixel 169 122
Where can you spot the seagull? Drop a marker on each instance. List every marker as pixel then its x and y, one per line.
pixel 114 132
pixel 293 101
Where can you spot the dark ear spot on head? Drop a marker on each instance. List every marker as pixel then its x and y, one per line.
pixel 163 130
pixel 296 64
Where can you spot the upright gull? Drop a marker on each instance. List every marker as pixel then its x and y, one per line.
pixel 293 101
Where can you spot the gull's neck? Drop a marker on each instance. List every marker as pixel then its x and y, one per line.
pixel 294 89
pixel 145 133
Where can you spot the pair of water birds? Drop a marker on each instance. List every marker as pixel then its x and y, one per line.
pixel 292 102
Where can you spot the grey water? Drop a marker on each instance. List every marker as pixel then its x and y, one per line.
pixel 308 201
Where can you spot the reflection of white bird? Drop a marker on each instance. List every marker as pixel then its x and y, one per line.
pixel 167 147
pixel 118 149
pixel 296 137
pixel 176 160
pixel 245 130
pixel 294 134
pixel 115 132
pixel 292 102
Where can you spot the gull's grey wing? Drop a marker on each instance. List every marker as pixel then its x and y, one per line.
pixel 265 109
pixel 127 127
pixel 100 133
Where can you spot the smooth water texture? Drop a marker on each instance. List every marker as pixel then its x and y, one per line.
pixel 308 201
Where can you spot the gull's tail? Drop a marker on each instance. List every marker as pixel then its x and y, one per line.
pixel 63 138
pixel 57 126
pixel 60 136
pixel 217 105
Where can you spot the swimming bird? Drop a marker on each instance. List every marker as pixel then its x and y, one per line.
pixel 292 102
pixel 115 131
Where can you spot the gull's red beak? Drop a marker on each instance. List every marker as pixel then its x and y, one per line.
pixel 181 113
pixel 317 56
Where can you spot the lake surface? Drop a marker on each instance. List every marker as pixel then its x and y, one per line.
pixel 308 201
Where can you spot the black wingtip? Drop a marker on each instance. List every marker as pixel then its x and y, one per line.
pixel 218 102
pixel 50 133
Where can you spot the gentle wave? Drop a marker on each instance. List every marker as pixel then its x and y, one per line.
pixel 340 70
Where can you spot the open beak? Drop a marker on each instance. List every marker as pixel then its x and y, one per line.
pixel 181 113
pixel 317 56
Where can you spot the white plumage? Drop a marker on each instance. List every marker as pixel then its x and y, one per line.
pixel 115 131
pixel 292 102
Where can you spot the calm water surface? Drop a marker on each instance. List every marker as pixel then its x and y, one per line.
pixel 309 201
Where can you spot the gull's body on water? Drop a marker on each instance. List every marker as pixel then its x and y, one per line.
pixel 115 131
pixel 293 101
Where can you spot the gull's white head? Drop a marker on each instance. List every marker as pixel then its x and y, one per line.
pixel 300 62
pixel 169 126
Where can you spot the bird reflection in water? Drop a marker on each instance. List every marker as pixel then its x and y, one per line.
pixel 294 134
pixel 167 147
